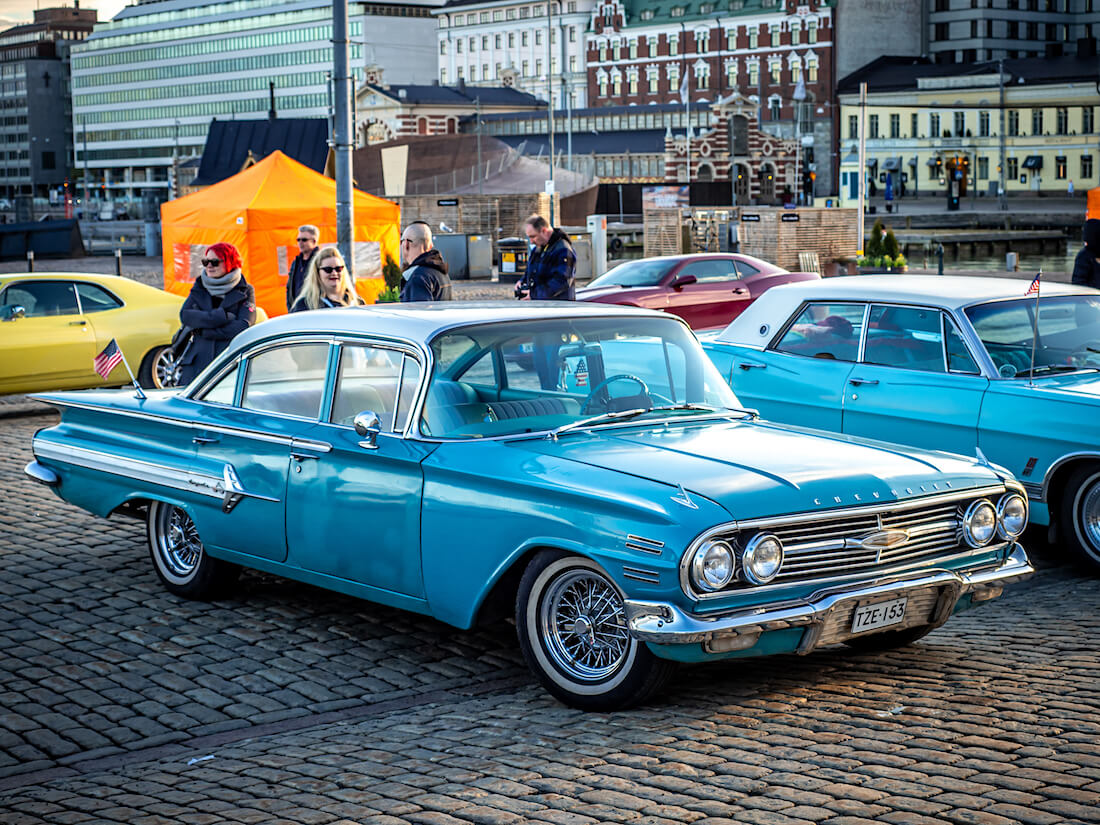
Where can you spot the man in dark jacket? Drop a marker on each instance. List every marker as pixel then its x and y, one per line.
pixel 299 267
pixel 425 277
pixel 551 267
pixel 1086 266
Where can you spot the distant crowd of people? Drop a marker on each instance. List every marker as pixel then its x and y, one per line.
pixel 222 303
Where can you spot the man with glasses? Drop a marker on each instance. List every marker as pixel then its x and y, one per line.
pixel 299 267
pixel 425 277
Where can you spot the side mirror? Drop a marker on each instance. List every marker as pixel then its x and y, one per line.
pixel 367 426
pixel 11 312
pixel 680 281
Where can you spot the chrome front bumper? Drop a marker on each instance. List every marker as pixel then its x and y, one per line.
pixel 662 623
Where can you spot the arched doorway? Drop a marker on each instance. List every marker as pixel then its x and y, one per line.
pixel 705 173
pixel 767 183
pixel 422 126
pixel 741 185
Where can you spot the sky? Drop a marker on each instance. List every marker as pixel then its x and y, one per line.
pixel 13 12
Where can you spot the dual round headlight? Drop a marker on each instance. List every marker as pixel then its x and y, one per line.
pixel 714 564
pixel 982 521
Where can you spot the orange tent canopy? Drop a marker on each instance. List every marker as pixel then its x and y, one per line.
pixel 1094 204
pixel 259 211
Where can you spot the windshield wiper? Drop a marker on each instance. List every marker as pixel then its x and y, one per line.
pixel 688 405
pixel 1051 368
pixel 596 419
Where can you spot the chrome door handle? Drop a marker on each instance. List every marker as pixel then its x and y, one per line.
pixel 855 382
pixel 746 365
pixel 740 291
pixel 204 439
pixel 80 323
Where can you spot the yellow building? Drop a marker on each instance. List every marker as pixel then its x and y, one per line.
pixel 935 127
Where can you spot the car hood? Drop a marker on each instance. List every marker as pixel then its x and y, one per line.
pixel 758 469
pixel 1082 385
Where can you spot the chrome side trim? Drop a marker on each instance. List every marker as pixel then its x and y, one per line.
pixel 146 471
pixel 662 623
pixel 42 474
pixel 640 574
pixel 1036 491
pixel 645 545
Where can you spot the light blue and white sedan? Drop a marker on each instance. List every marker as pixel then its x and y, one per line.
pixel 939 363
pixel 617 502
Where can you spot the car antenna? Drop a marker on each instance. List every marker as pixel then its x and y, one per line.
pixel 139 393
pixel 1035 325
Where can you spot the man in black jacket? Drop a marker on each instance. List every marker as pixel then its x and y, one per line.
pixel 307 248
pixel 552 266
pixel 1086 266
pixel 425 277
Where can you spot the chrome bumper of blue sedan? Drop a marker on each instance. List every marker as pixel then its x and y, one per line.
pixel 827 614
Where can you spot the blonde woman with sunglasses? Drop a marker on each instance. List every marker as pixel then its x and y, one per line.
pixel 328 283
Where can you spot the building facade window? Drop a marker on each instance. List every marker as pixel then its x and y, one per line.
pixel 754 74
pixel 702 42
pixel 775 70
pixel 1013 127
pixel 913 124
pixel 754 38
pixel 633 50
pixel 1012 168
pixel 796 35
pixel 933 125
pixel 775 34
pixel 811 31
pixel 1088 124
pixel 983 168
pixel 872 127
pixel 775 108
pixel 1062 120
pixel 811 71
pixel 731 39
pixel 1036 121
pixel 960 123
pixel 983 124
pixel 853 127
pixel 673 44
pixel 895 126
pixel 1086 166
pixel 1060 167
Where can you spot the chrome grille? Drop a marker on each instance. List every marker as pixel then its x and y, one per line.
pixel 833 547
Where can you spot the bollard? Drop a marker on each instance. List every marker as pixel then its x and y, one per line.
pixel 118 262
pixel 939 255
pixel 30 260
pixel 1012 262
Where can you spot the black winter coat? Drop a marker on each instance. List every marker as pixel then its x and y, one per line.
pixel 551 271
pixel 1086 270
pixel 299 268
pixel 426 279
pixel 216 321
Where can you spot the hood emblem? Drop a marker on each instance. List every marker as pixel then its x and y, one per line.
pixel 684 499
pixel 884 540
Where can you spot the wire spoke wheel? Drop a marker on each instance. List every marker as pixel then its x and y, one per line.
pixel 584 625
pixel 179 558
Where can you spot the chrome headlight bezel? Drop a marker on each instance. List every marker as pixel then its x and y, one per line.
pixel 749 558
pixel 1002 530
pixel 968 530
pixel 698 565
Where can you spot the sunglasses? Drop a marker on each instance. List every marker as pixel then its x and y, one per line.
pixel 211 262
pixel 303 240
pixel 331 269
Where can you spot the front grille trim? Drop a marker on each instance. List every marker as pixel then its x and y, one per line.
pixel 833 553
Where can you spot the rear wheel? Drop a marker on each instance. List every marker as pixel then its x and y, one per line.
pixel 890 639
pixel 179 558
pixel 159 369
pixel 572 630
pixel 1080 515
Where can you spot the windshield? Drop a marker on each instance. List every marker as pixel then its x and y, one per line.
pixel 1068 336
pixel 634 273
pixel 533 376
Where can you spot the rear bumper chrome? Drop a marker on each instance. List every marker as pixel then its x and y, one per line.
pixel 662 623
pixel 42 474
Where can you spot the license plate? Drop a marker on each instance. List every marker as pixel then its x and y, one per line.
pixel 880 614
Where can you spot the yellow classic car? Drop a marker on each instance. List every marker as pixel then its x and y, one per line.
pixel 52 325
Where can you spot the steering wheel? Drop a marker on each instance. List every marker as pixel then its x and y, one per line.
pixel 602 396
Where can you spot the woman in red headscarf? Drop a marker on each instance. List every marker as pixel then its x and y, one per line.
pixel 221 305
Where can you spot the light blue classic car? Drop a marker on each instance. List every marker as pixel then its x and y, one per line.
pixel 940 363
pixel 607 490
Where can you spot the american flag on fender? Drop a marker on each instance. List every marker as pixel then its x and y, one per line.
pixel 107 360
pixel 1034 288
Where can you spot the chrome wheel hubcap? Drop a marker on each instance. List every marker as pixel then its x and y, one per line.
pixel 584 625
pixel 1090 518
pixel 178 542
pixel 166 371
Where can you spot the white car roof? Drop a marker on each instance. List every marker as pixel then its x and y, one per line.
pixel 756 325
pixel 420 321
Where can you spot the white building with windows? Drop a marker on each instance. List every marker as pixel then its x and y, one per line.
pixel 543 43
pixel 146 85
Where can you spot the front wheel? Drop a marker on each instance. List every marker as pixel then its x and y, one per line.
pixel 572 630
pixel 179 558
pixel 159 369
pixel 1080 512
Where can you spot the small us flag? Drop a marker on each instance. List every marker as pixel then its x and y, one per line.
pixel 107 360
pixel 1034 288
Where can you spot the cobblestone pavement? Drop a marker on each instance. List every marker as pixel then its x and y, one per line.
pixel 288 704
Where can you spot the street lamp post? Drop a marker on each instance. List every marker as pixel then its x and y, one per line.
pixel 550 96
pixel 342 133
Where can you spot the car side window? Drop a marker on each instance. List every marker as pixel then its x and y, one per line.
pixel 94 298
pixel 42 298
pixel 828 331
pixel 410 383
pixel 225 390
pixel 746 269
pixel 368 380
pixel 287 380
pixel 519 364
pixel 482 372
pixel 958 357
pixel 718 269
pixel 906 337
